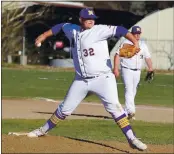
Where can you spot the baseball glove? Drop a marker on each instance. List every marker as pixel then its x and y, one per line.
pixel 149 76
pixel 127 51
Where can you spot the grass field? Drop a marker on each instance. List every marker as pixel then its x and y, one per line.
pixel 29 83
pixel 151 133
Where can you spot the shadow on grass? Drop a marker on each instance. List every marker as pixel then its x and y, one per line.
pixel 81 115
pixel 97 143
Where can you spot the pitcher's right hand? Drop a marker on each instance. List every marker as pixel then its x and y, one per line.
pixel 40 39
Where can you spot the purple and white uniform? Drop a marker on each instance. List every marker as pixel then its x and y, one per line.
pixel 93 74
pixel 92 66
pixel 131 72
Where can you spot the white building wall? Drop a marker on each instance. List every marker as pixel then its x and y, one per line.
pixel 158 32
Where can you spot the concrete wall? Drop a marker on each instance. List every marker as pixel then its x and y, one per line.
pixel 62 63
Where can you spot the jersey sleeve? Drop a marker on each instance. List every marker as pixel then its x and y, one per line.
pixel 146 51
pixel 118 49
pixel 118 46
pixel 57 28
pixel 120 31
pixel 105 31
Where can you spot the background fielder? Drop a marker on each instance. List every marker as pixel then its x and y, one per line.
pixel 93 72
pixel 131 70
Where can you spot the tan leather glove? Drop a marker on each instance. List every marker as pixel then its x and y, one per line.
pixel 128 51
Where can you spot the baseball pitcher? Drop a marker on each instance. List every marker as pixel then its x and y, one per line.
pixel 131 69
pixel 93 72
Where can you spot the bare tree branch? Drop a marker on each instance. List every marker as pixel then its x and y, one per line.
pixel 168 55
pixel 19 15
pixel 13 20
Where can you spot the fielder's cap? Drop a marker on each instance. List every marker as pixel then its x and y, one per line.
pixel 136 30
pixel 88 13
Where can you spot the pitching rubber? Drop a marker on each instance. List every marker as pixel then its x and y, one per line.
pixel 17 134
pixel 31 135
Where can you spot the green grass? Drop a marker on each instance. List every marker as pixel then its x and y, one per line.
pixel 151 133
pixel 31 83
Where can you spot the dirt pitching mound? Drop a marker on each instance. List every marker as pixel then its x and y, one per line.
pixel 57 144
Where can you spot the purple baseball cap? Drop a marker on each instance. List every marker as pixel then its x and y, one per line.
pixel 87 13
pixel 136 30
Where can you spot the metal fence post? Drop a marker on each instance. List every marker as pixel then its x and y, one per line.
pixel 23 57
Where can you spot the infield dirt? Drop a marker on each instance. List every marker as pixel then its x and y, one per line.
pixel 29 109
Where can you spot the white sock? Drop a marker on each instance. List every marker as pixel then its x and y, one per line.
pixel 130 134
pixel 45 127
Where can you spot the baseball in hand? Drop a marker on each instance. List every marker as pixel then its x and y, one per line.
pixel 38 45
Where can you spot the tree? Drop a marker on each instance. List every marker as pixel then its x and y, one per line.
pixel 14 17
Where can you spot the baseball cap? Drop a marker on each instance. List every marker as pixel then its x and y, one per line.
pixel 88 13
pixel 136 30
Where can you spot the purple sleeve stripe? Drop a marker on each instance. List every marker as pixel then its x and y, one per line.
pixel 120 31
pixel 56 29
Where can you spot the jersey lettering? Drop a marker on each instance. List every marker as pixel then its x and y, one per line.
pixel 141 56
pixel 85 51
pixel 89 52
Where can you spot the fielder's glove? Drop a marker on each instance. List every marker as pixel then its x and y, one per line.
pixel 149 76
pixel 127 51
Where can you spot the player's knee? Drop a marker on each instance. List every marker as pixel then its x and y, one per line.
pixel 115 110
pixel 113 107
pixel 128 88
pixel 131 110
pixel 63 112
pixel 66 113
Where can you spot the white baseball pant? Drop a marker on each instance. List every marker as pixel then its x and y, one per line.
pixel 131 79
pixel 104 87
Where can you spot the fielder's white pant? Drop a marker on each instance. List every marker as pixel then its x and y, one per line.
pixel 104 87
pixel 131 79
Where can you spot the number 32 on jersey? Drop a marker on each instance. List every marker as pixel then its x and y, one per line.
pixel 88 52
